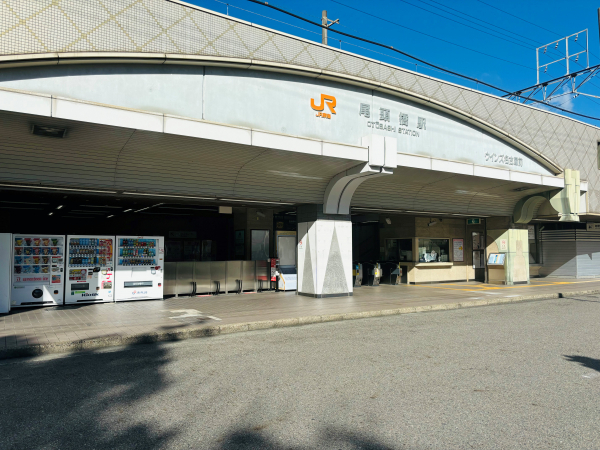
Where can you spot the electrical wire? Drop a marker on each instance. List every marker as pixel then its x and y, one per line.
pixel 526 21
pixel 465 25
pixel 431 36
pixel 378 44
pixel 580 64
pixel 318 33
pixel 424 9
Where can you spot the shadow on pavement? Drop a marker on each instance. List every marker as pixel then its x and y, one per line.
pixel 106 400
pixel 330 438
pixel 590 363
pixel 84 400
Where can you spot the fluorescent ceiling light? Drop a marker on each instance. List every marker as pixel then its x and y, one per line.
pixel 50 213
pixel 108 217
pixel 99 206
pixel 59 206
pixel 127 210
pixel 148 207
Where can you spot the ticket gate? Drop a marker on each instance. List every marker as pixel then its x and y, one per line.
pixel 373 273
pixel 391 273
pixel 357 275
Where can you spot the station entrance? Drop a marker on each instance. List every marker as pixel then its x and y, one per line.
pixel 189 246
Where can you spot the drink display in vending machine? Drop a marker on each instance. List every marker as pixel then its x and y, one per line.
pixel 38 270
pixel 139 267
pixel 90 269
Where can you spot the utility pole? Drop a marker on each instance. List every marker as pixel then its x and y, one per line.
pixel 599 22
pixel 327 23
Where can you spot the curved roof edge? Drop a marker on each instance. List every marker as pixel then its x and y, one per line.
pixel 43 59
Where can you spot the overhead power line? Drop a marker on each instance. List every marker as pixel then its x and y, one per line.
pixel 526 21
pixel 551 49
pixel 466 77
pixel 466 25
pixel 431 36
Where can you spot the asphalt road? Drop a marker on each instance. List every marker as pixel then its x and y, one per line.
pixel 521 376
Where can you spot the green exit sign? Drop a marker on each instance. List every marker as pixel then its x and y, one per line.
pixel 473 221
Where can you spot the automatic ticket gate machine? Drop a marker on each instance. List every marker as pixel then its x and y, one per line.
pixel 373 273
pixel 391 273
pixel 287 275
pixel 357 275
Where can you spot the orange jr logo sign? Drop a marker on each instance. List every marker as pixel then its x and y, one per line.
pixel 328 100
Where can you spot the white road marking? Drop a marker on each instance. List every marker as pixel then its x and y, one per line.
pixel 186 313
pixel 591 375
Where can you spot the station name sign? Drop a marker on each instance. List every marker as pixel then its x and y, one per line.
pixel 401 123
pixel 385 122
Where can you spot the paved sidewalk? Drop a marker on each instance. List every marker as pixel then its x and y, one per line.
pixel 58 329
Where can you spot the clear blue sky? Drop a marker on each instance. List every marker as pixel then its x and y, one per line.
pixel 446 42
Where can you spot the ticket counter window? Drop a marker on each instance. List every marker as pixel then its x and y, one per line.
pixel 434 250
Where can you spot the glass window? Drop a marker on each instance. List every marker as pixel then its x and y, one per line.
pixel 259 248
pixel 434 250
pixel 399 250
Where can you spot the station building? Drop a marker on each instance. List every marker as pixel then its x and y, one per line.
pixel 156 117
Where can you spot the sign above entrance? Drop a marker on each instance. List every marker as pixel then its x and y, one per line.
pixel 386 123
pixel 328 100
pixel 474 221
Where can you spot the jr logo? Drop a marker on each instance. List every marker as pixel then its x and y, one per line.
pixel 328 100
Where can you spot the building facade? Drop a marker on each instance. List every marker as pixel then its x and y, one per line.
pixel 164 101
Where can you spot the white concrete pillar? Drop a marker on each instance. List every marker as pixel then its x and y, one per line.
pixel 324 253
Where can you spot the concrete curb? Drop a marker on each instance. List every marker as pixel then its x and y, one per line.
pixel 215 330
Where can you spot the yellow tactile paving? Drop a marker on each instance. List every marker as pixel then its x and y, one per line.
pixel 492 287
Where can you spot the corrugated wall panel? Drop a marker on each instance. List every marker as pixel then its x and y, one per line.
pixel 588 259
pixel 559 260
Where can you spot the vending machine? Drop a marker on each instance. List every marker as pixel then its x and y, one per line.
pixel 6 269
pixel 139 267
pixel 38 270
pixel 90 269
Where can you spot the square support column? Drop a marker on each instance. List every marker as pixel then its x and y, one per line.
pixel 515 244
pixel 324 253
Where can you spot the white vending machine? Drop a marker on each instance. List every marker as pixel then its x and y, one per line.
pixel 89 269
pixel 38 270
pixel 139 267
pixel 6 268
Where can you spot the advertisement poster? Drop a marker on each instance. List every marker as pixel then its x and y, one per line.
pixel 458 250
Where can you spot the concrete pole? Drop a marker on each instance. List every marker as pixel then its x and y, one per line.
pixel 324 30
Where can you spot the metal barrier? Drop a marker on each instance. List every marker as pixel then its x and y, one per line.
pixel 391 273
pixel 214 277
